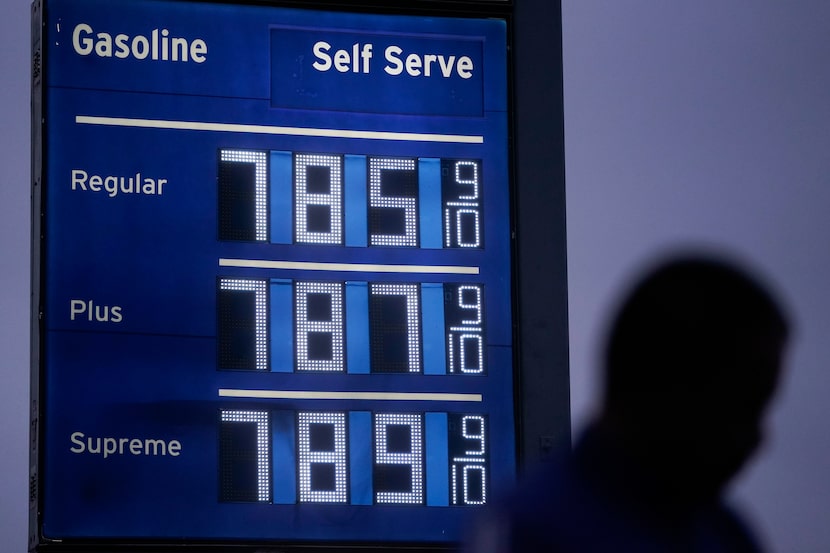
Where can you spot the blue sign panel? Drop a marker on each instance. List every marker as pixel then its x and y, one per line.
pixel 276 292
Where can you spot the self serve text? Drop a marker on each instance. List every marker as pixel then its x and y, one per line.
pixel 160 44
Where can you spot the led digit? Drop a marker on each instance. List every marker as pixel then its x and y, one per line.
pixel 321 441
pixel 393 192
pixel 466 219
pixel 318 308
pixel 466 172
pixel 399 458
pixel 318 199
pixel 472 302
pixel 476 421
pixel 395 327
pixel 243 195
pixel 471 353
pixel 243 324
pixel 245 459
pixel 474 484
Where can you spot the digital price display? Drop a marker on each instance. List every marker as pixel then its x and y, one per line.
pixel 276 274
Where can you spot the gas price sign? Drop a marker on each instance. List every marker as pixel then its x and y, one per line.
pixel 275 273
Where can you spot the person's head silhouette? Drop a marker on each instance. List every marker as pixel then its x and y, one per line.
pixel 692 359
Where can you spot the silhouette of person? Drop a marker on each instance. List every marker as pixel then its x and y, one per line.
pixel 692 359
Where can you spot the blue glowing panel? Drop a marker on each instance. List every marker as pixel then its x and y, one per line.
pixel 277 302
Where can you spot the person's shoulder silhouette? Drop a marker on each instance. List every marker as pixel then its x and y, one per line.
pixel 692 359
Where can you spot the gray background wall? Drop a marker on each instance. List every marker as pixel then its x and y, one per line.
pixel 704 122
